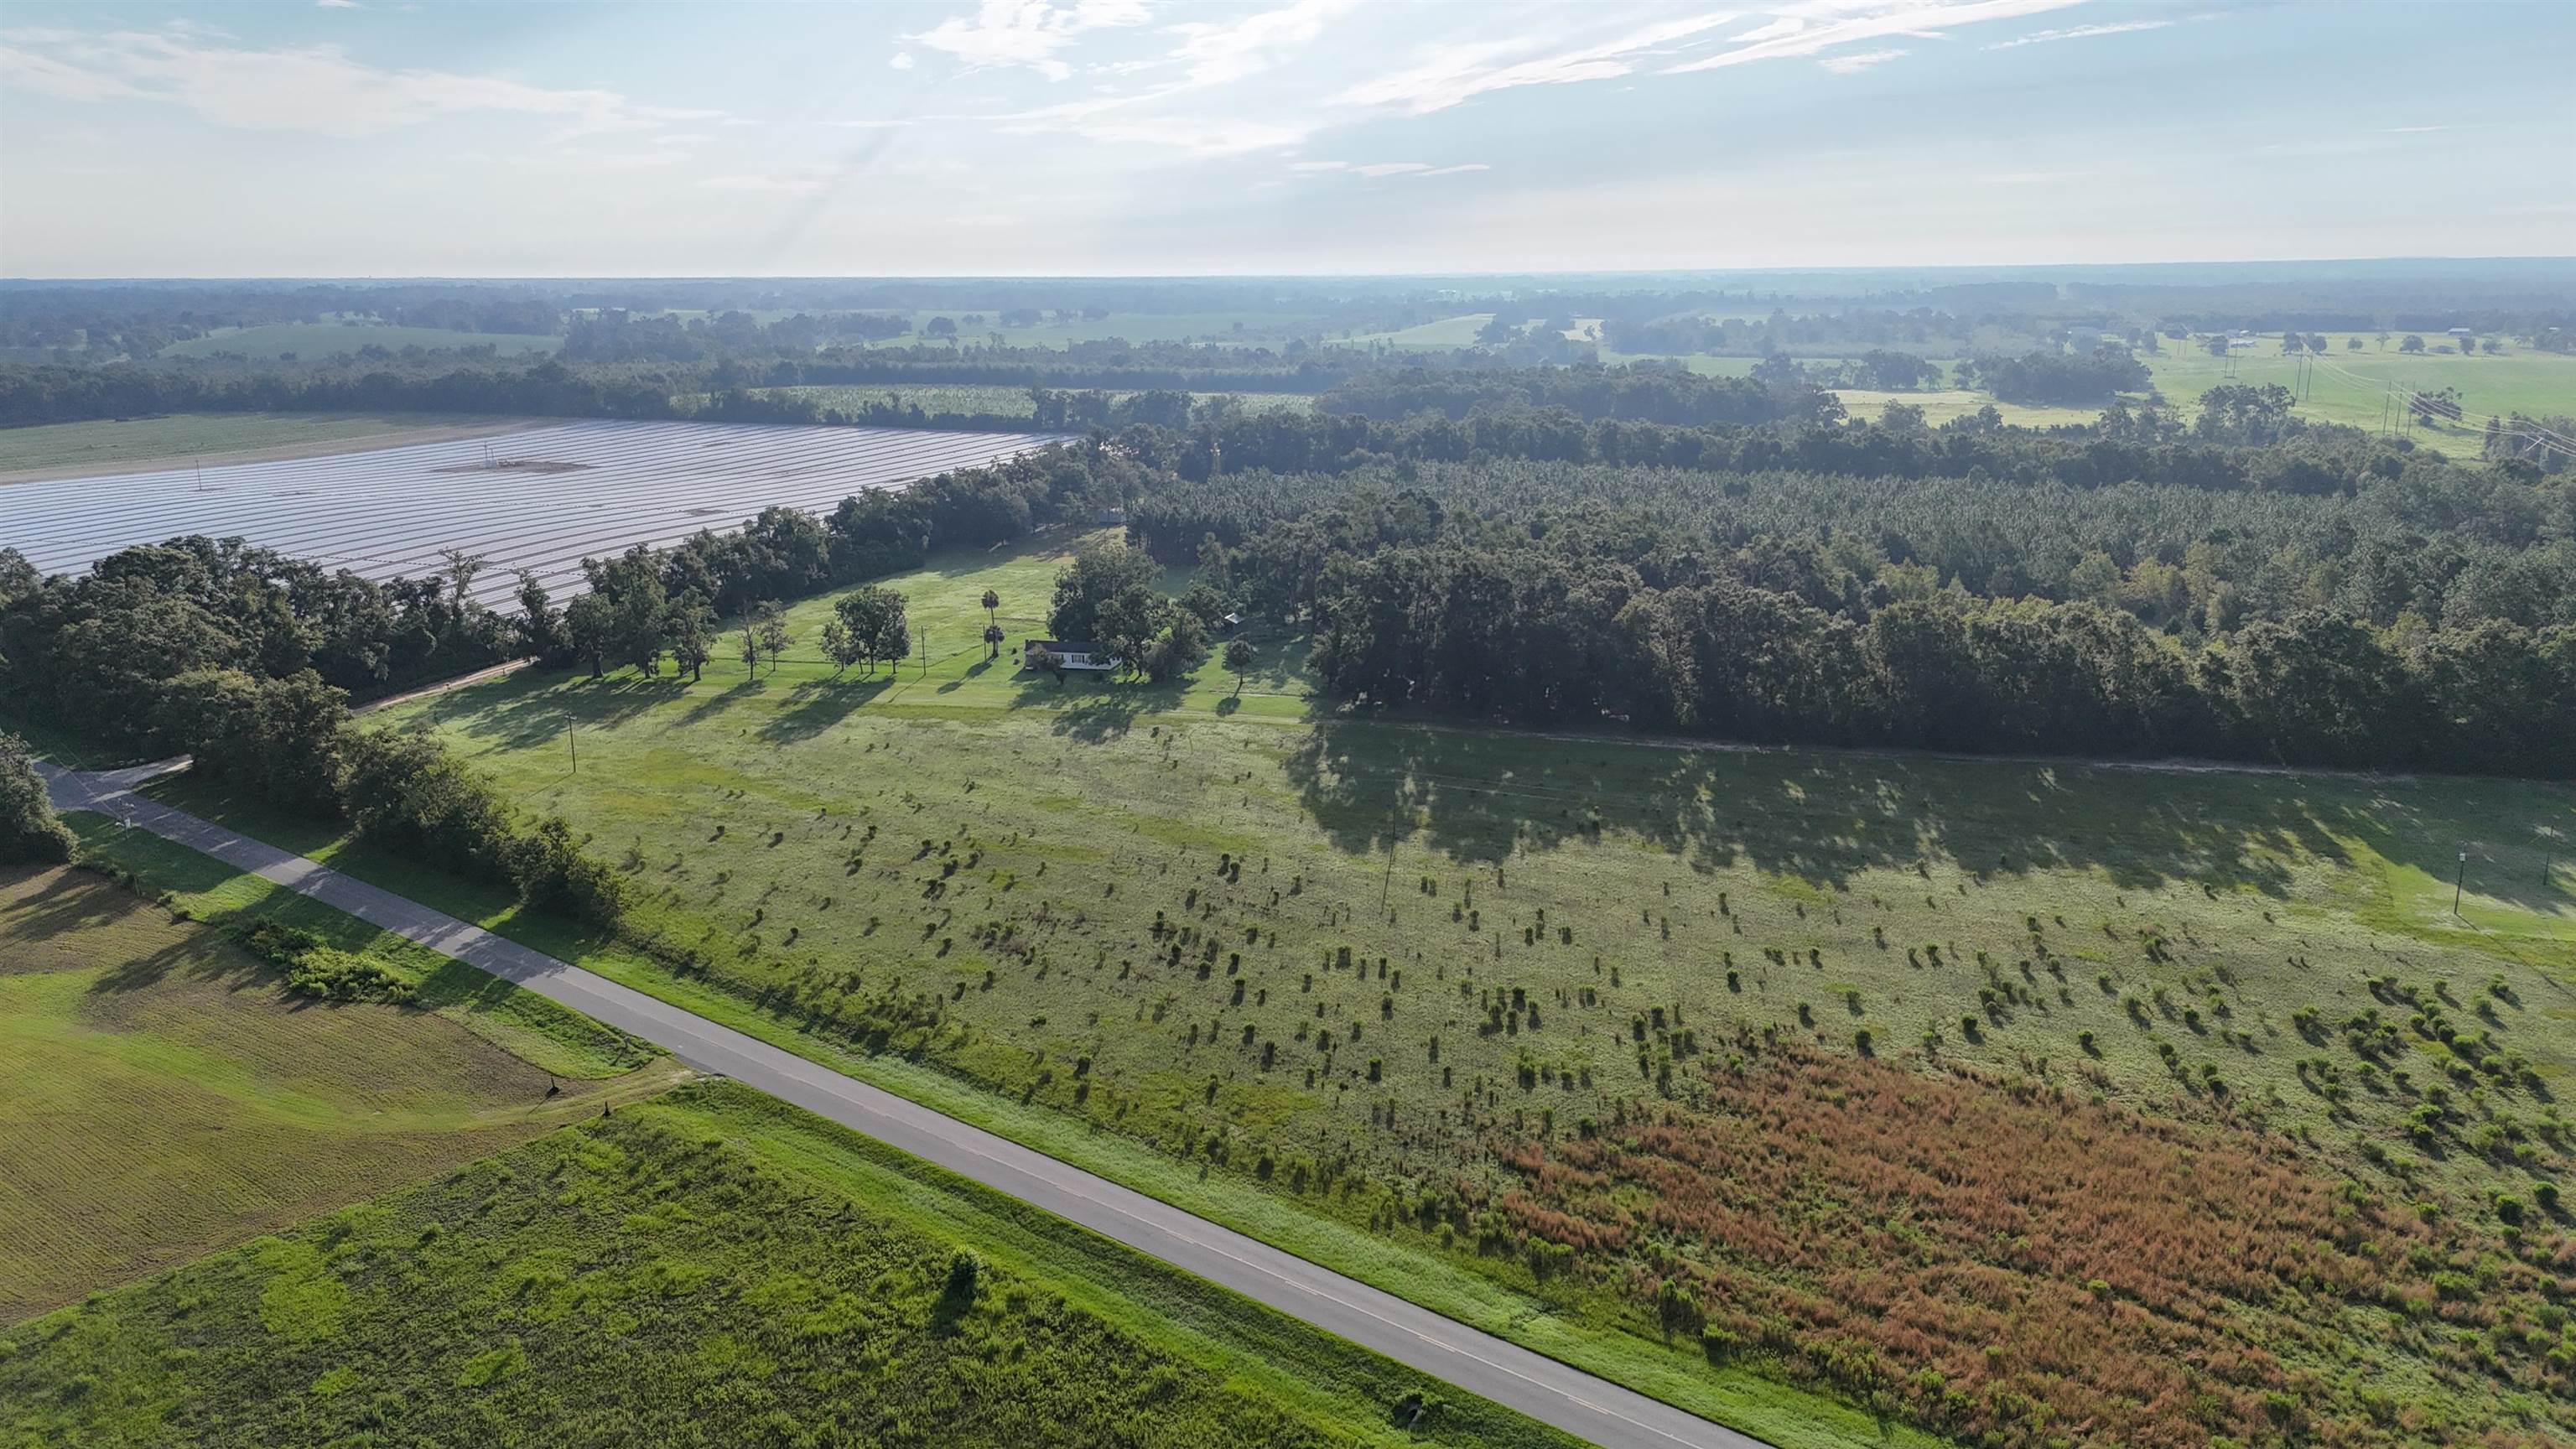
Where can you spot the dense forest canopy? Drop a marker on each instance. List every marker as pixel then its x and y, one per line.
pixel 1540 546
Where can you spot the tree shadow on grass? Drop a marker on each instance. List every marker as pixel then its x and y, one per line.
pixel 976 670
pixel 524 719
pixel 70 903
pixel 712 705
pixel 1097 710
pixel 1819 816
pixel 818 704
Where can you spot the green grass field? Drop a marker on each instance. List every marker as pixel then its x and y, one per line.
pixel 1144 928
pixel 70 449
pixel 2539 384
pixel 167 1096
pixel 312 341
pixel 706 1268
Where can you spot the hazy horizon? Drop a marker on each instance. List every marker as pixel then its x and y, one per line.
pixel 1131 138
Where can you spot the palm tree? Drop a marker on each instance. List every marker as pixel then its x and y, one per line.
pixel 992 602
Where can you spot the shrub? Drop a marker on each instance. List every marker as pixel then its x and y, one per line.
pixel 30 834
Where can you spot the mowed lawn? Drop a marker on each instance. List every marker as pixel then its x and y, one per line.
pixel 166 1096
pixel 1302 964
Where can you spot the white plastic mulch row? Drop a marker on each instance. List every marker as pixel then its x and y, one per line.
pixel 540 500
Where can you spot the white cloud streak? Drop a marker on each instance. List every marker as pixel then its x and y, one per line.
pixel 1214 57
pixel 1029 33
pixel 1824 24
pixel 2079 32
pixel 316 89
pixel 1454 74
pixel 1377 169
pixel 1857 61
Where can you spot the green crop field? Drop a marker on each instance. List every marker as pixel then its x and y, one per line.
pixel 2352 387
pixel 312 341
pixel 1365 980
pixel 707 1268
pixel 59 449
pixel 166 1096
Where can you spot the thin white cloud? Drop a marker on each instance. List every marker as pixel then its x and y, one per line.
pixel 2033 178
pixel 309 88
pixel 902 60
pixel 2409 130
pixel 1452 74
pixel 1857 61
pixel 2079 32
pixel 795 183
pixel 1825 24
pixel 1028 33
pixel 1213 57
pixel 337 5
pixel 1377 169
pixel 1217 54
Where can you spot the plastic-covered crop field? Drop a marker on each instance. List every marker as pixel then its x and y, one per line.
pixel 540 500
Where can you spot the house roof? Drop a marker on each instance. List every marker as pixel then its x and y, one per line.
pixel 1064 646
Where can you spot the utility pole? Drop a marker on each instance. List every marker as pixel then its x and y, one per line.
pixel 2459 881
pixel 571 745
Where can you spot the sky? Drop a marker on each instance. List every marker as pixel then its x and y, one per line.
pixel 1161 137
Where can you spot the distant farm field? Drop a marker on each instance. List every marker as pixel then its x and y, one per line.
pixel 312 341
pixel 1943 406
pixel 1138 912
pixel 1448 332
pixel 62 450
pixel 167 1096
pixel 2344 385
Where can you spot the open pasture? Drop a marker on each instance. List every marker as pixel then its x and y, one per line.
pixel 2353 386
pixel 167 1096
pixel 539 500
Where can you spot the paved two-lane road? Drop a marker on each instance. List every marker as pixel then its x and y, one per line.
pixel 1480 1363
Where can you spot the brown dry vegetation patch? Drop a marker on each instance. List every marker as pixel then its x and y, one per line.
pixel 2014 1267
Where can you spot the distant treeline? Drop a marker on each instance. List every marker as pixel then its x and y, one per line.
pixel 2243 439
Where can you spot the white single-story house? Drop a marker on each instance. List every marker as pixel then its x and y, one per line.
pixel 1069 654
